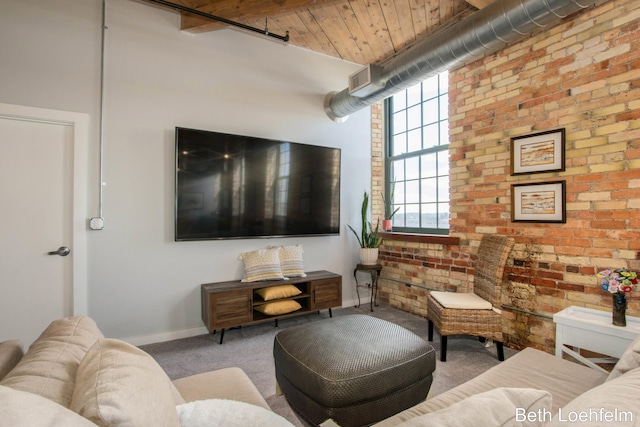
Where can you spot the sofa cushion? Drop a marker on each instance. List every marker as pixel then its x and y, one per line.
pixel 10 354
pixel 497 407
pixel 263 264
pixel 225 413
pixel 49 367
pixel 616 403
pixel 629 360
pixel 20 408
pixel 119 384
pixel 227 383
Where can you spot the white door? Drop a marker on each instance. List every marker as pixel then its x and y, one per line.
pixel 37 217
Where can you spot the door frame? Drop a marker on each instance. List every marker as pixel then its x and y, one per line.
pixel 79 122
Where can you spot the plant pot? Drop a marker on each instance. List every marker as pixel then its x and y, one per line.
pixel 368 256
pixel 387 224
pixel 619 309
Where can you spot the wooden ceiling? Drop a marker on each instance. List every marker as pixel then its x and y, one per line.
pixel 359 31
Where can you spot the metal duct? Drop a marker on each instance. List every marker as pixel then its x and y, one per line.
pixel 484 32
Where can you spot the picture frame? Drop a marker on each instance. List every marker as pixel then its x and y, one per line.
pixel 539 202
pixel 538 152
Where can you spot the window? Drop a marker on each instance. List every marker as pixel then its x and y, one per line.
pixel 417 156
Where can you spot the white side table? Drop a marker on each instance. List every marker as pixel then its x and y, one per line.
pixel 592 330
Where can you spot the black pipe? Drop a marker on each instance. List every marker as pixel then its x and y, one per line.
pixel 284 38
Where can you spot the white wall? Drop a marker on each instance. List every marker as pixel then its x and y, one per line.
pixel 142 285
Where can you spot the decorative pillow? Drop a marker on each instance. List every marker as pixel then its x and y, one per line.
pixel 20 408
pixel 612 403
pixel 629 360
pixel 497 407
pixel 10 354
pixel 49 367
pixel 279 307
pixel 277 292
pixel 120 385
pixel 291 260
pixel 263 264
pixel 225 413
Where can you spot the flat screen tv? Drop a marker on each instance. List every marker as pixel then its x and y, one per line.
pixel 234 186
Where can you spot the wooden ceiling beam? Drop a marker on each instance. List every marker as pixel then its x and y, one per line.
pixel 480 4
pixel 242 10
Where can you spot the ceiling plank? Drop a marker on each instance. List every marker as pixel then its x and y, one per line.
pixel 242 10
pixel 375 29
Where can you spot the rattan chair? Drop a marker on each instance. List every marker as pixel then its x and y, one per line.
pixel 476 313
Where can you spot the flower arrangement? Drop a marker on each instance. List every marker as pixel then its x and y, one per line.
pixel 616 281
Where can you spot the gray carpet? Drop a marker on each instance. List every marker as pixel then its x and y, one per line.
pixel 250 348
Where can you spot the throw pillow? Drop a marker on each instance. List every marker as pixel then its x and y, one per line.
pixel 497 407
pixel 118 384
pixel 227 413
pixel 291 262
pixel 49 367
pixel 277 292
pixel 629 360
pixel 263 264
pixel 279 307
pixel 20 408
pixel 10 354
pixel 612 403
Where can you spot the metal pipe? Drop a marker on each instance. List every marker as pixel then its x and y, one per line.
pixel 182 8
pixel 481 33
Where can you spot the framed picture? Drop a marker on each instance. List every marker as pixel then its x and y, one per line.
pixel 538 152
pixel 541 202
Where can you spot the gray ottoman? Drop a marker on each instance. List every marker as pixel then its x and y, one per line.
pixel 354 369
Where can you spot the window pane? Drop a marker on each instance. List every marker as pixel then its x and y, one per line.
pixel 399 144
pixel 444 82
pixel 413 117
pixel 443 189
pixel 415 140
pixel 429 215
pixel 413 95
pixel 444 108
pixel 412 218
pixel 398 218
pixel 430 111
pixel 400 122
pixel 399 101
pixel 397 172
pixel 443 215
pixel 430 88
pixel 428 168
pixel 413 168
pixel 429 188
pixel 412 191
pixel 444 132
pixel 431 136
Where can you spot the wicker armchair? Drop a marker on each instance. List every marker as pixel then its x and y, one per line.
pixel 476 313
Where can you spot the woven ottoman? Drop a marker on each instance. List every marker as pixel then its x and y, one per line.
pixel 354 369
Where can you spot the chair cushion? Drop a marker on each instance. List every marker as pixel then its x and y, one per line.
pixel 461 300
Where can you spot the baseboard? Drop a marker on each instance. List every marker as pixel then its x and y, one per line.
pixel 166 336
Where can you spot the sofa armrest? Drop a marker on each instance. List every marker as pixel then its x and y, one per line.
pixel 228 383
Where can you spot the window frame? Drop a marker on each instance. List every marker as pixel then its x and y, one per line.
pixel 388 114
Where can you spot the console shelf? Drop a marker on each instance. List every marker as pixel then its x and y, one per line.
pixel 230 304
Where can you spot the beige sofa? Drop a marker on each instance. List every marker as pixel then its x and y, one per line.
pixel 73 376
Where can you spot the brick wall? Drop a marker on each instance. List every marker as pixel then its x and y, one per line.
pixel 584 76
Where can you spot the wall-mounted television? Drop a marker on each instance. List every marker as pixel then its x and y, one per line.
pixel 233 186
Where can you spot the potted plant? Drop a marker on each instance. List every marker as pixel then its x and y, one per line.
pixel 389 212
pixel 368 238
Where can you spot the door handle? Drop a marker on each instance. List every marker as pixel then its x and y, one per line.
pixel 62 251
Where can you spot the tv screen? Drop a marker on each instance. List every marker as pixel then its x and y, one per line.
pixel 233 186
